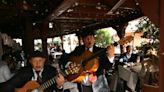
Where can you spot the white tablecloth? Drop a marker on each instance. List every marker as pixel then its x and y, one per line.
pixel 131 77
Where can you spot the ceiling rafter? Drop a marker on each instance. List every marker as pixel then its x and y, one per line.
pixel 88 16
pixel 61 9
pixel 67 15
pixel 118 4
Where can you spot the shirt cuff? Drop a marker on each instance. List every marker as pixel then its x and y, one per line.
pixel 60 87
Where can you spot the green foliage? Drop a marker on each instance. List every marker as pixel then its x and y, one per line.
pixel 150 32
pixel 103 38
pixel 150 49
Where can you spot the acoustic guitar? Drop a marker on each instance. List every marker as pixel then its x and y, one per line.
pixel 33 86
pixel 88 64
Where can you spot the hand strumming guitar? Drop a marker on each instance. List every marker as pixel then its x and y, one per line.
pixel 59 81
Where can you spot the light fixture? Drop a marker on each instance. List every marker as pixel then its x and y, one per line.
pixel 50 25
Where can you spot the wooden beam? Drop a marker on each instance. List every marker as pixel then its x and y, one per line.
pixel 118 4
pixel 88 1
pixel 87 16
pixel 66 4
pixel 90 9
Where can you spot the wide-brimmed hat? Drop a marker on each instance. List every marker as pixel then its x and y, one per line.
pixel 38 54
pixel 87 32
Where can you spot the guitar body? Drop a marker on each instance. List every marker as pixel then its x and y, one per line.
pixel 91 66
pixel 28 87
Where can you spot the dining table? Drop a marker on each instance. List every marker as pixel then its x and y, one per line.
pixel 130 74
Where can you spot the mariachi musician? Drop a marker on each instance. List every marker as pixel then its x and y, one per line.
pixel 80 51
pixel 35 77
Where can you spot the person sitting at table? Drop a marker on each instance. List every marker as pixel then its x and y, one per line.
pixel 128 56
pixel 126 59
pixel 111 69
pixel 5 72
pixel 111 65
pixel 34 74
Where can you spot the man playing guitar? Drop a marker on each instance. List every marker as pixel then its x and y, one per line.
pixel 96 68
pixel 29 78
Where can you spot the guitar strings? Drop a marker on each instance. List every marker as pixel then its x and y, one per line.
pixel 47 84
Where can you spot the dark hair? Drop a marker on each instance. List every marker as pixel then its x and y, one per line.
pixel 127 47
pixel 87 32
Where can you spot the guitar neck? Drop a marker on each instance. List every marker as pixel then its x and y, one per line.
pixel 51 81
pixel 47 84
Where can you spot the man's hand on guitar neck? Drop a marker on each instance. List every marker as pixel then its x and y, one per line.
pixel 59 81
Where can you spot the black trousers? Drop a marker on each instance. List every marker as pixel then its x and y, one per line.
pixel 83 88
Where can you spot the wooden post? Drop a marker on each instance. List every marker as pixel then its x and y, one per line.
pixel 44 32
pixel 161 79
pixel 155 12
pixel 27 40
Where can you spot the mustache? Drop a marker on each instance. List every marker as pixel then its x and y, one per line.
pixel 89 43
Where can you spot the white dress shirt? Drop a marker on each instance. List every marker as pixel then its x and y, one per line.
pixel 5 73
pixel 35 74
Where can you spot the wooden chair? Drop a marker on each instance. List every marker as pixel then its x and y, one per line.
pixel 149 88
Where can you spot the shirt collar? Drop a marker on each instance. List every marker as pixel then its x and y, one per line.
pixel 90 49
pixel 111 59
pixel 35 75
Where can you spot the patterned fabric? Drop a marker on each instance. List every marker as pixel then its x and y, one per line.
pixel 101 85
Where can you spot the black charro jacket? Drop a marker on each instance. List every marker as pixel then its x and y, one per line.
pixel 25 74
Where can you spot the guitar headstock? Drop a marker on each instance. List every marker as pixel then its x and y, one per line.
pixel 73 68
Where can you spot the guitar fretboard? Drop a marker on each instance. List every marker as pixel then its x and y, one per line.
pixel 51 81
pixel 47 84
